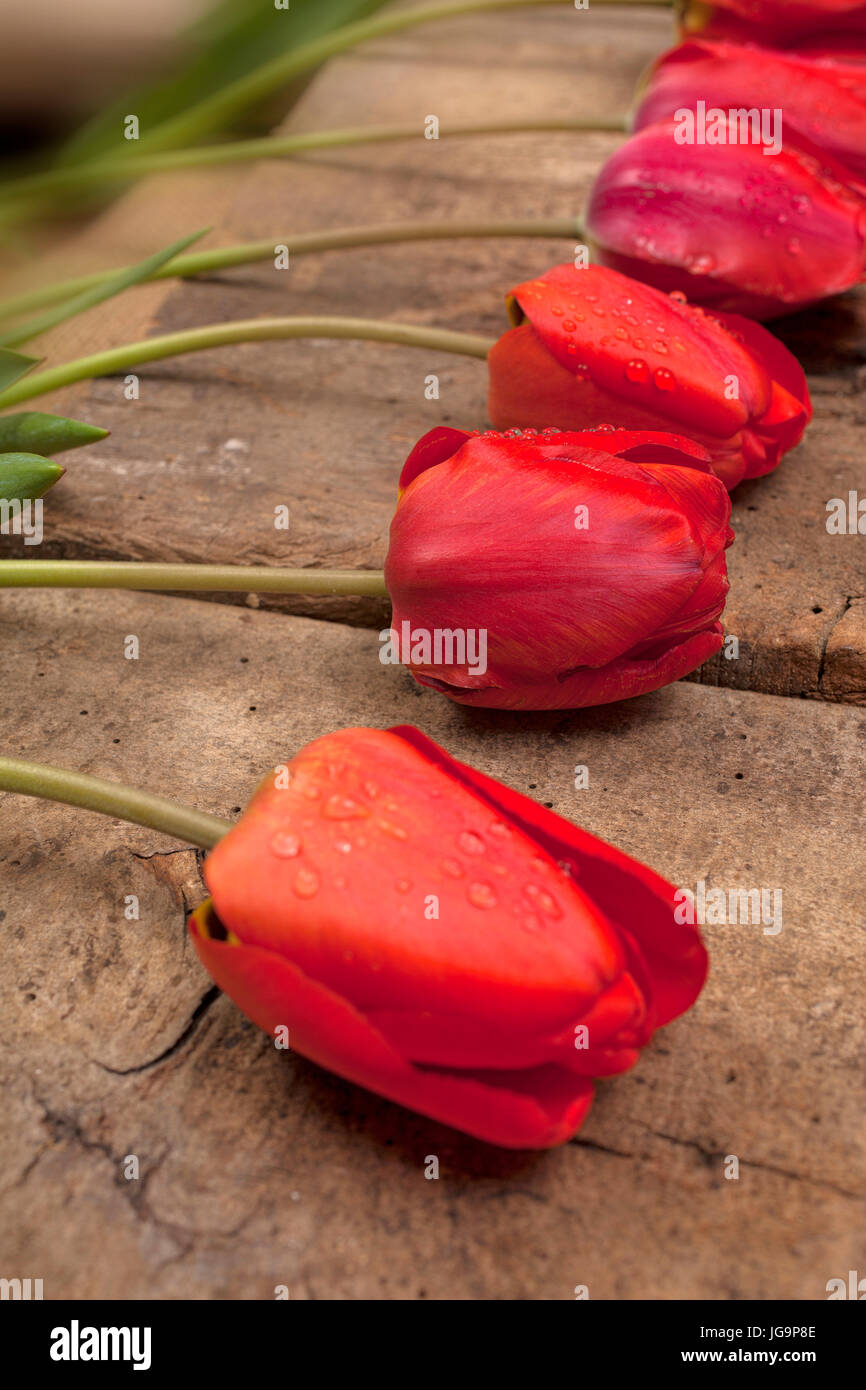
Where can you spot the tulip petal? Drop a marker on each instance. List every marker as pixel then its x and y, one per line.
pixel 638 900
pixel 653 214
pixel 815 106
pixel 434 447
pixel 310 871
pixel 532 1109
pixel 594 593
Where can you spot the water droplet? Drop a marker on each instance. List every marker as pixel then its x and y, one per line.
pixel 453 868
pixel 481 895
pixel 371 789
pixel 532 923
pixel 659 346
pixel 664 379
pixel 285 845
pixel 390 828
pixel 677 296
pixel 794 246
pixel 306 883
pixel 568 325
pixel 637 370
pixel 621 334
pixel 498 827
pixel 312 793
pixel 541 899
pixel 558 310
pixel 470 843
pixel 802 203
pixel 339 807
pixel 343 847
pixel 582 372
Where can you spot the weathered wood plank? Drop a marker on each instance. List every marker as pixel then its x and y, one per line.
pixel 195 467
pixel 258 1169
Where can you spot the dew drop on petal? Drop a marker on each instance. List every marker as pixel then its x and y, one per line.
pixel 664 379
pixel 481 895
pixel 470 843
pixel 396 831
pixel 339 807
pixel 636 370
pixel 542 900
pixel 453 868
pixel 306 883
pixel 285 845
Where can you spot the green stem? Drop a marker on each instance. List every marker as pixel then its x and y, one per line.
pixel 112 799
pixel 219 110
pixel 80 178
pixel 303 244
pixel 243 331
pixel 135 574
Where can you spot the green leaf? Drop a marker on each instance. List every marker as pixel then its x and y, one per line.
pixel 13 365
pixel 24 476
pixel 232 39
pixel 107 289
pixel 34 432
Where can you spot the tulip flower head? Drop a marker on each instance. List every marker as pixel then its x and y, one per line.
pixel 814 106
pixel 771 21
pixel 591 344
pixel 593 561
pixel 426 932
pixel 718 219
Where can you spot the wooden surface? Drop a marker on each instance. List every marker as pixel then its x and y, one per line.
pixel 257 1168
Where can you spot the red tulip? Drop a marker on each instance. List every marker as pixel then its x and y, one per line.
pixel 592 345
pixel 591 563
pixel 771 21
pixel 734 228
pixel 815 105
pixel 430 934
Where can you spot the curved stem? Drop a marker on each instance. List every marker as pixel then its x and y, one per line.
pixel 302 244
pixel 80 178
pixel 136 574
pixel 242 331
pixel 112 799
pixel 218 110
